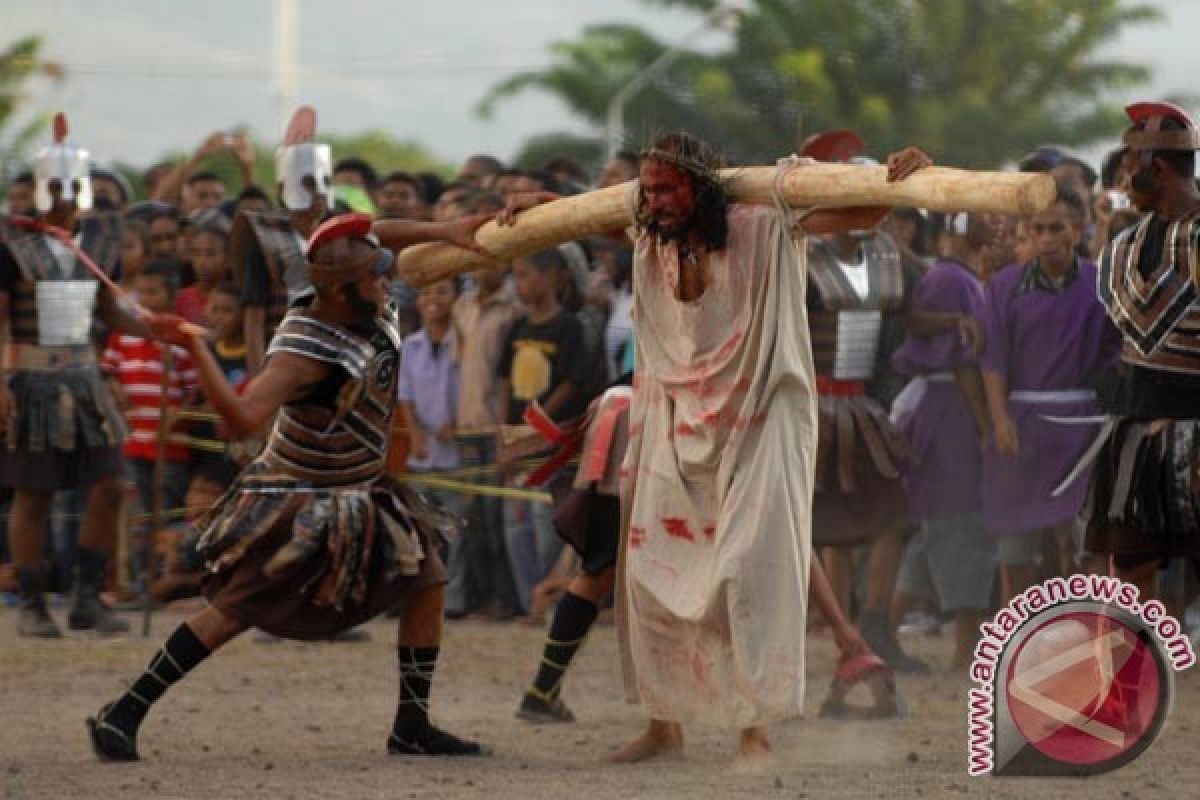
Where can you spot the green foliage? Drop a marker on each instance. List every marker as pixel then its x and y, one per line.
pixel 20 62
pixel 587 150
pixel 974 82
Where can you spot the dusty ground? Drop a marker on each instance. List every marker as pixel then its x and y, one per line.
pixel 309 721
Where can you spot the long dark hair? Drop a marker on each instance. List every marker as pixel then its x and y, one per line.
pixel 701 164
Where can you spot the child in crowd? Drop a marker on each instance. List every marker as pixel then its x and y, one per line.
pixel 428 393
pixel 215 460
pixel 135 251
pixel 543 361
pixel 135 367
pixel 208 248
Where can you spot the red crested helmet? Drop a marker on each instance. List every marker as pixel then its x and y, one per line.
pixel 342 249
pixel 1148 134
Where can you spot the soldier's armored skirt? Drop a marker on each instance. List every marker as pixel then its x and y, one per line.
pixel 313 537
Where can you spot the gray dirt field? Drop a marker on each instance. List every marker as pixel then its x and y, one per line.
pixel 293 720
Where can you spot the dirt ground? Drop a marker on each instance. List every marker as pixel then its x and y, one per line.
pixel 292 720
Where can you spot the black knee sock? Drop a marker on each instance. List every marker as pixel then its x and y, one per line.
pixel 32 584
pixel 416 677
pixel 179 654
pixel 572 620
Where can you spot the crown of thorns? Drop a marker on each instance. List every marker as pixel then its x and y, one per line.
pixel 691 164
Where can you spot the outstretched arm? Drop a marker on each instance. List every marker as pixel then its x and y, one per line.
pixel 246 414
pixel 170 185
pixel 396 234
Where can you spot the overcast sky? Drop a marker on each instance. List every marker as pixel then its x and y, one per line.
pixel 146 77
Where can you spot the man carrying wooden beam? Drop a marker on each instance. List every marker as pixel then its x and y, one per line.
pixel 718 477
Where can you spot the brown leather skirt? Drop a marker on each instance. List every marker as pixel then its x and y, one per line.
pixel 859 494
pixel 284 603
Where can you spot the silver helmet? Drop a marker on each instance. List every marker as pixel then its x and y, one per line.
pixel 302 169
pixel 63 168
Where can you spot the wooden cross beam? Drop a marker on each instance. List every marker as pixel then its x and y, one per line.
pixel 806 186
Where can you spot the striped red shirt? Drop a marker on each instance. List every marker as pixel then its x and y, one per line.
pixel 137 365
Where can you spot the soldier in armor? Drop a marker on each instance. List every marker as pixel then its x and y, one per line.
pixel 857 284
pixel 267 249
pixel 61 427
pixel 313 537
pixel 1144 505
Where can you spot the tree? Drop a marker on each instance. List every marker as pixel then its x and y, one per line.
pixel 974 82
pixel 537 150
pixel 18 64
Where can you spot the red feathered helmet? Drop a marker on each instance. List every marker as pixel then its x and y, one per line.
pixel 1148 135
pixel 343 249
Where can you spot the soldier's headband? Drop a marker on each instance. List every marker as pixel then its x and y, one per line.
pixel 1162 140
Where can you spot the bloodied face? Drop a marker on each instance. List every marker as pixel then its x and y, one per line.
pixel 668 198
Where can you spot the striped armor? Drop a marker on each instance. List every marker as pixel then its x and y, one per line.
pixel 322 471
pixel 859 451
pixel 1158 313
pixel 60 398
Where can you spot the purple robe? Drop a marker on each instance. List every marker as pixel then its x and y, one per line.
pixel 943 477
pixel 1043 341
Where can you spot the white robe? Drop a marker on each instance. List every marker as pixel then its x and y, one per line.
pixel 718 481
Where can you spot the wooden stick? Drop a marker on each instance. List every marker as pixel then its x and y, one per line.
pixel 157 481
pixel 808 186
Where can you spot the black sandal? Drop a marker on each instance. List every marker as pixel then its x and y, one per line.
pixel 432 741
pixel 110 743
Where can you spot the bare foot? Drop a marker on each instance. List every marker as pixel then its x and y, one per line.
pixel 754 751
pixel 660 739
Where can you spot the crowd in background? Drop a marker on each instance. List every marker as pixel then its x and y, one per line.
pixel 553 327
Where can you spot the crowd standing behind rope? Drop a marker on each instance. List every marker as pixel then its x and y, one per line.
pixel 964 365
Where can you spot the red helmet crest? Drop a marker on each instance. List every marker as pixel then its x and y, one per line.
pixel 836 145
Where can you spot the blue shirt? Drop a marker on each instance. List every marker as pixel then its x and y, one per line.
pixel 429 383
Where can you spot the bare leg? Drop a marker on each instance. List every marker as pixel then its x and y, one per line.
pixel 214 628
pixel 1016 578
pixel 420 624
pixel 966 635
pixel 821 593
pixel 27 527
pixel 661 738
pixel 882 565
pixel 98 530
pixel 1144 576
pixel 593 588
pixel 1064 546
pixel 840 571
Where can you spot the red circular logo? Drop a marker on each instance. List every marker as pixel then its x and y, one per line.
pixel 1084 688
